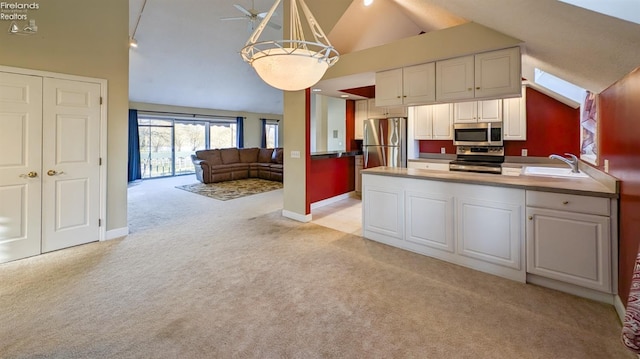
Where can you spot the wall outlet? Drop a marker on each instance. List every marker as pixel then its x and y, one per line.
pixel 443 150
pixel 524 152
pixel 606 166
pixel 295 154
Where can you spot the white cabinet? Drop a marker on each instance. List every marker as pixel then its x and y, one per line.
pixel 429 220
pixel 485 75
pixel 514 117
pixel 477 111
pixel 489 230
pixel 374 111
pixel 382 209
pixel 477 226
pixel 358 173
pixel 432 122
pixel 360 116
pixel 410 85
pixel 569 239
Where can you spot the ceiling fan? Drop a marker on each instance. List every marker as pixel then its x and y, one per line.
pixel 253 16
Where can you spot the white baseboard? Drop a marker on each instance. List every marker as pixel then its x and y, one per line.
pixel 297 216
pixel 620 308
pixel 116 233
pixel 572 289
pixel 328 201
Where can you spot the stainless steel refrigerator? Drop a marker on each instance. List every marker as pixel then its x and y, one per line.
pixel 384 142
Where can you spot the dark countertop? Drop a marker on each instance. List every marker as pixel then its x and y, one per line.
pixel 334 154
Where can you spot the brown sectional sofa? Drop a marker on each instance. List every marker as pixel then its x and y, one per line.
pixel 237 163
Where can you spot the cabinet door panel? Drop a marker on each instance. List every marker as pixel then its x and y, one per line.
pixel 498 73
pixel 384 211
pixel 454 79
pixel 422 121
pixel 490 111
pixel 429 220
pixel 489 231
pixel 514 116
pixel 442 128
pixel 465 112
pixel 570 247
pixel 389 88
pixel 419 84
pixel 361 115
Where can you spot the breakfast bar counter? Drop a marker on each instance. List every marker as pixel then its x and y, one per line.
pixel 598 184
pixel 558 232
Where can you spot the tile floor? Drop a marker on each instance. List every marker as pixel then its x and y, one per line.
pixel 344 215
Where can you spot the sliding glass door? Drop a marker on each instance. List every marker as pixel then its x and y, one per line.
pixel 166 144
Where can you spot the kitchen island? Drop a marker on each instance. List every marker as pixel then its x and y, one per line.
pixel 556 232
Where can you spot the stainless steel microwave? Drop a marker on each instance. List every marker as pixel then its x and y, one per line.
pixel 477 134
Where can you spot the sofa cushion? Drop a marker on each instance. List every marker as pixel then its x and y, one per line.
pixel 230 155
pixel 264 155
pixel 211 156
pixel 249 155
pixel 278 155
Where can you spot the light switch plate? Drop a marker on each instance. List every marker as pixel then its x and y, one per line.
pixel 295 154
pixel 524 152
pixel 443 150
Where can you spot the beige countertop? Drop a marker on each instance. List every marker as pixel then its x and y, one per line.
pixel 603 186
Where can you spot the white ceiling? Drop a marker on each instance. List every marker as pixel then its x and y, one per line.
pixel 187 56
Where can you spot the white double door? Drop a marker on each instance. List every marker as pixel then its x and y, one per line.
pixel 49 164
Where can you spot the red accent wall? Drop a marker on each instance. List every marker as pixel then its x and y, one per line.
pixel 619 140
pixel 552 127
pixel 331 177
pixel 307 148
pixel 350 125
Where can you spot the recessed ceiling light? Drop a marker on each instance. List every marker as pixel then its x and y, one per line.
pixel 344 96
pixel 316 90
pixel 368 2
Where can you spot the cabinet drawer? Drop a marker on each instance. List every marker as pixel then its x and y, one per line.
pixel 569 202
pixel 428 165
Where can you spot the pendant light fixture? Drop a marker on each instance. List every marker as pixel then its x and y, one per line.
pixel 293 64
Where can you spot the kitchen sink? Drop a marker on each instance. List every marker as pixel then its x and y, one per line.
pixel 553 172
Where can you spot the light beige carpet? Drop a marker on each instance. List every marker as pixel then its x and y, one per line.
pixel 208 279
pixel 227 190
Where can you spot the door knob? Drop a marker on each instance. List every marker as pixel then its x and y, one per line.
pixel 53 172
pixel 31 174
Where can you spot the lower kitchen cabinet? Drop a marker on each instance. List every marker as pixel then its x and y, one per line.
pixel 480 227
pixel 429 220
pixel 572 244
pixel 490 230
pixel 358 173
pixel 383 210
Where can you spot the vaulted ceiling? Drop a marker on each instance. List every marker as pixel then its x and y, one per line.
pixel 188 56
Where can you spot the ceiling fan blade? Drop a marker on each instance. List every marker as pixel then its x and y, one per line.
pixel 243 10
pixel 234 18
pixel 274 25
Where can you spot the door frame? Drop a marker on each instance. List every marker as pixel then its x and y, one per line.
pixel 103 129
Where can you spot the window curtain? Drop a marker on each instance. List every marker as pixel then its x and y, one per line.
pixel 240 132
pixel 263 133
pixel 135 173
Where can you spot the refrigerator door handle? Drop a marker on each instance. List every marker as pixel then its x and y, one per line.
pixel 384 155
pixel 366 157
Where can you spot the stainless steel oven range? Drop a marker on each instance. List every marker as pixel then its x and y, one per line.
pixel 483 159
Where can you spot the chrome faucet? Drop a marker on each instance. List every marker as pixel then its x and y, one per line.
pixel 572 161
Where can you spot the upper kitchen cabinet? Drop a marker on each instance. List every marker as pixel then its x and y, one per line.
pixel 486 75
pixel 361 115
pixel 432 122
pixel 514 116
pixel 374 111
pixel 412 85
pixel 477 111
